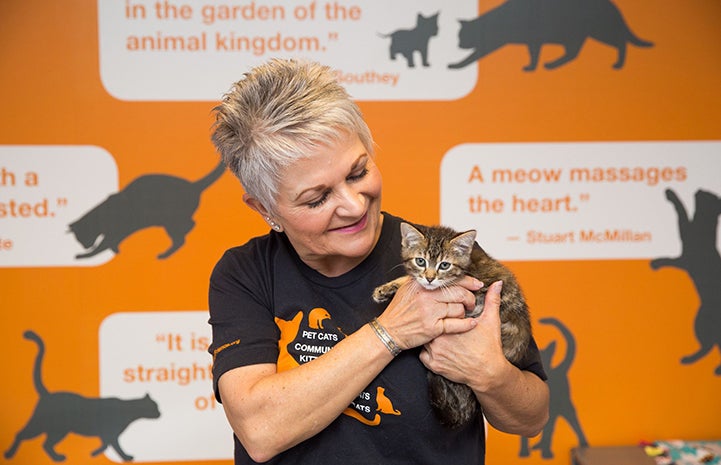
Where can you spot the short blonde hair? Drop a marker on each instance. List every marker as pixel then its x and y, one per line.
pixel 276 114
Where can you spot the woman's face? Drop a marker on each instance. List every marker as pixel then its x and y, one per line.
pixel 329 206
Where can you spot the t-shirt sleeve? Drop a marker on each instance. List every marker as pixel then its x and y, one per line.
pixel 532 361
pixel 243 327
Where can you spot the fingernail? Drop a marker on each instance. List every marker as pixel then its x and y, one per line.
pixel 497 286
pixel 479 284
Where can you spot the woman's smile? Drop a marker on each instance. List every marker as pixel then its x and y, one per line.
pixel 328 204
pixel 354 227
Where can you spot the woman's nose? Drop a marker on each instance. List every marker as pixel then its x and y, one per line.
pixel 352 202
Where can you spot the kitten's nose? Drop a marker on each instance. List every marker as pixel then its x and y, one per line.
pixel 430 279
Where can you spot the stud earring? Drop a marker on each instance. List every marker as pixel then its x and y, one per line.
pixel 273 224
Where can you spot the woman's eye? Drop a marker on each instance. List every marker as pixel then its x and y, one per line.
pixel 320 201
pixel 443 266
pixel 358 176
pixel 421 262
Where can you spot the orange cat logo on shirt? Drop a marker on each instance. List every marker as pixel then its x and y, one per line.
pixel 306 337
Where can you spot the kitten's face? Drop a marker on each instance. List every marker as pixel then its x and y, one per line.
pixel 433 272
pixel 436 259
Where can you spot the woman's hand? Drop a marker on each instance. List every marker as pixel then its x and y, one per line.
pixel 513 401
pixel 416 315
pixel 473 357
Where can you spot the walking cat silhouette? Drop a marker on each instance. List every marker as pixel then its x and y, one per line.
pixel 59 413
pixel 534 23
pixel 701 260
pixel 561 405
pixel 150 200
pixel 408 41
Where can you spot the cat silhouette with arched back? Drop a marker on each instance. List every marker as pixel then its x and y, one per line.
pixel 150 200
pixel 59 413
pixel 534 23
pixel 560 387
pixel 408 41
pixel 701 260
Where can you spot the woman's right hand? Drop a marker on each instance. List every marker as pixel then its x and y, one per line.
pixel 416 315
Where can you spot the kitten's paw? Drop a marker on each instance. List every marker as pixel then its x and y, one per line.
pixel 382 294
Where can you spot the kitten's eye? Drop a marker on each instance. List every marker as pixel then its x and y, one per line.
pixel 443 266
pixel 421 262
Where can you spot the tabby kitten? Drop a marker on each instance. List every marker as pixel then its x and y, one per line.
pixel 436 257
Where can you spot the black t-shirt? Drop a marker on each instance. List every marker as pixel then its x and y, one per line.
pixel 267 306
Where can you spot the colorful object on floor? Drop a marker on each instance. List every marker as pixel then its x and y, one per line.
pixel 678 452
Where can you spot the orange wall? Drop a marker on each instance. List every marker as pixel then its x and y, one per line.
pixel 632 324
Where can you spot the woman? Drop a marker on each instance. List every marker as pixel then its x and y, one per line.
pixel 279 303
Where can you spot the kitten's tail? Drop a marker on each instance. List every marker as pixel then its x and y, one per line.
pixel 37 369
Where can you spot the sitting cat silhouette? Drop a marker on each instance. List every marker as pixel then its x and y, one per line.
pixel 150 200
pixel 408 41
pixel 560 387
pixel 537 22
pixel 701 260
pixel 59 413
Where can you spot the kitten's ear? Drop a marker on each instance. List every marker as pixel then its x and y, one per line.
pixel 410 236
pixel 464 241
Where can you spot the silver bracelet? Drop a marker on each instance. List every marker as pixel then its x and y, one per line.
pixel 385 338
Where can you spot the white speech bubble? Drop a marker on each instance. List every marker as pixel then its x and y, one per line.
pixel 185 50
pixel 43 189
pixel 566 201
pixel 164 355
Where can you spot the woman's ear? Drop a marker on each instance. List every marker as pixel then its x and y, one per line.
pixel 256 205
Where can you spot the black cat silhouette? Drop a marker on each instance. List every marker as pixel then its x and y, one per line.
pixel 534 23
pixel 561 405
pixel 408 41
pixel 150 200
pixel 59 413
pixel 701 260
